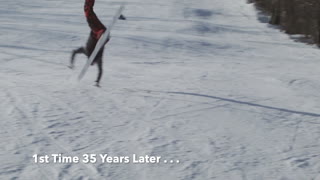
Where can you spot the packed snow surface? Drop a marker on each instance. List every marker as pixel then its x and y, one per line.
pixel 203 82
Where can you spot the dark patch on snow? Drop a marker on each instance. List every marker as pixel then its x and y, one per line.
pixel 199 13
pixel 203 13
pixel 262 17
pixel 203 29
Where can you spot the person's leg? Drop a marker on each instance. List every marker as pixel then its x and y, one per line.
pixel 93 21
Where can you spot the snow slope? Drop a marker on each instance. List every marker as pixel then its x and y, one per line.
pixel 203 82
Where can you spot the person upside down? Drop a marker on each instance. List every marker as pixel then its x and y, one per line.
pixel 97 29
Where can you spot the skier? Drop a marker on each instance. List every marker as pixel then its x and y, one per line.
pixel 97 29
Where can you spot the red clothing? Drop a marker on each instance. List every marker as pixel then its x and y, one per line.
pixel 97 28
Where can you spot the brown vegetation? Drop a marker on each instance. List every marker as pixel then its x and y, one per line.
pixel 294 16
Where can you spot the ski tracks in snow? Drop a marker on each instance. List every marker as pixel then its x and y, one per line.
pixel 259 125
pixel 41 121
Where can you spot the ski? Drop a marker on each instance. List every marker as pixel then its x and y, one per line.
pixel 103 39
